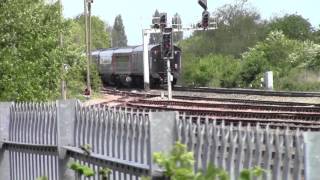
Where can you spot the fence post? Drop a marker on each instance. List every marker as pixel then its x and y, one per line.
pixel 4 136
pixel 162 136
pixel 312 155
pixel 66 117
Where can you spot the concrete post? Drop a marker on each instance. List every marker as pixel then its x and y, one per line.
pixel 268 78
pixel 66 113
pixel 4 136
pixel 162 135
pixel 312 155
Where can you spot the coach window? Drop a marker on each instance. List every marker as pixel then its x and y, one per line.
pixel 106 60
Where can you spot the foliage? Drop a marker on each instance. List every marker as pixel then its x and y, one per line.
pixel 119 38
pixel 279 54
pixel 315 36
pixel 104 172
pixel 293 26
pixel 86 171
pixel 284 45
pixel 212 70
pixel 178 165
pixel 299 79
pixel 86 148
pixel 82 169
pixel 239 27
pixel 30 57
pixel 76 74
pixel 99 32
pixel 42 178
pixel 248 174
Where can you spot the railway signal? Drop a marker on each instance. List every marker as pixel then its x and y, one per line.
pixel 155 22
pixel 205 19
pixel 160 26
pixel 163 20
pixel 203 4
pixel 167 46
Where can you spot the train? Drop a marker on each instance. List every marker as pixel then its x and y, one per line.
pixel 124 66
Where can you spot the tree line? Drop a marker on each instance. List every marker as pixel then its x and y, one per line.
pixel 245 46
pixel 31 55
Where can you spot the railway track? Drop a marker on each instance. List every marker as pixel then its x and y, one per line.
pixel 207 99
pixel 312 116
pixel 228 105
pixel 247 91
pixel 273 114
pixel 291 124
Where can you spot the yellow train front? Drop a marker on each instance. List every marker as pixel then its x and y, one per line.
pixel 124 66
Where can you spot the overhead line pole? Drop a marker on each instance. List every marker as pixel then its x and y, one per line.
pixel 89 47
pixel 63 82
pixel 85 14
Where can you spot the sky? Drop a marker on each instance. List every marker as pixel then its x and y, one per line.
pixel 137 14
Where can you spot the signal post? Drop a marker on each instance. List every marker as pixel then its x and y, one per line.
pixel 167 48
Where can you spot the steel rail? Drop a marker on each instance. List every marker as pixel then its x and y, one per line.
pixel 247 91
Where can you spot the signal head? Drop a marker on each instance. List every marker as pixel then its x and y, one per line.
pixel 167 46
pixel 205 19
pixel 203 4
pixel 163 20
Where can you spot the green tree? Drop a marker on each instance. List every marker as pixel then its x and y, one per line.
pixel 212 70
pixel 100 36
pixel 293 26
pixel 119 38
pixel 239 27
pixel 30 57
pixel 282 55
pixel 73 57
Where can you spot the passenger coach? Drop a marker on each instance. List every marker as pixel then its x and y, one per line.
pixel 124 66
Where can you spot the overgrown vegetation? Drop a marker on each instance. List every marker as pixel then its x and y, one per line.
pixel 244 47
pixel 82 170
pixel 179 165
pixel 86 171
pixel 31 58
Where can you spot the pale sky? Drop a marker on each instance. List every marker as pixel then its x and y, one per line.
pixel 136 14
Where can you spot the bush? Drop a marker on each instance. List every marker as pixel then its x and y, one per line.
pixel 179 165
pixel 212 70
pixel 299 79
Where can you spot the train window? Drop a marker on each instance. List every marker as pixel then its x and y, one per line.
pixel 106 60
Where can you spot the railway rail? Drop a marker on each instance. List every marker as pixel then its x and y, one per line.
pixel 220 112
pixel 234 106
pixel 247 91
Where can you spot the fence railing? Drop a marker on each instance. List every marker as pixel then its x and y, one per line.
pixel 41 139
pixel 279 152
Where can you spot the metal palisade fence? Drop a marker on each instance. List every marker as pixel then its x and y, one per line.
pixel 41 139
pixel 235 147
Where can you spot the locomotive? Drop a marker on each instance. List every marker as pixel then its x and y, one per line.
pixel 124 66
